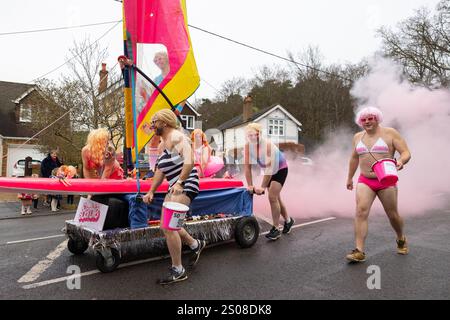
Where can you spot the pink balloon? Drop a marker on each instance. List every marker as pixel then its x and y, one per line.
pixel 214 165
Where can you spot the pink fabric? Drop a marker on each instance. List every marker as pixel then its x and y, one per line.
pixel 158 21
pixel 374 184
pixel 101 186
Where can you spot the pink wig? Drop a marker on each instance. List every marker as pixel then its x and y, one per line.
pixel 367 112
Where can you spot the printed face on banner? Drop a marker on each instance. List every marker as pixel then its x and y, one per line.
pixel 153 60
pixel 91 214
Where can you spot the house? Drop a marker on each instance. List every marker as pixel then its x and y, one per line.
pixel 17 101
pixel 190 117
pixel 280 126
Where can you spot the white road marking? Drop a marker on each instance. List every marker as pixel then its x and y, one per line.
pixel 43 265
pixel 88 273
pixel 36 239
pixel 312 222
pixel 129 264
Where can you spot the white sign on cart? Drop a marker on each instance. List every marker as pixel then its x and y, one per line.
pixel 91 214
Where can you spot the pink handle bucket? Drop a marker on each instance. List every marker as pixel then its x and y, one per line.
pixel 386 171
pixel 173 214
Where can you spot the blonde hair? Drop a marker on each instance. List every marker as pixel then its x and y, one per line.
pixel 96 143
pixel 168 117
pixel 161 54
pixel 254 126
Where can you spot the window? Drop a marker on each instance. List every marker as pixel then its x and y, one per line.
pixel 188 122
pixel 276 128
pixel 25 113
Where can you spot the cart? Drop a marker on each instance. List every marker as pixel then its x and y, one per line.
pixel 216 216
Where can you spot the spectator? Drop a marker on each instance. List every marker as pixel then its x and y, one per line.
pixel 47 166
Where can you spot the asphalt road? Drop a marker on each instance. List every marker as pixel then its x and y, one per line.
pixel 306 264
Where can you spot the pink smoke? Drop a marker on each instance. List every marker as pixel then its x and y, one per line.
pixel 422 117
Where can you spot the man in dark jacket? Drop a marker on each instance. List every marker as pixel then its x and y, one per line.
pixel 47 165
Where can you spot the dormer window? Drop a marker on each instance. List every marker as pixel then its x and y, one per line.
pixel 25 113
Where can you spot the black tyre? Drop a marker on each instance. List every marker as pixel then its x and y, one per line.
pixel 110 264
pixel 246 232
pixel 77 246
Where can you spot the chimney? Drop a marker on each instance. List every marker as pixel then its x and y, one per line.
pixel 103 84
pixel 248 108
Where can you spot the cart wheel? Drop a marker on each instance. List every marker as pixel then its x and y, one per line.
pixel 77 246
pixel 246 232
pixel 109 264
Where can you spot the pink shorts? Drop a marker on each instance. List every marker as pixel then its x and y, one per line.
pixel 374 184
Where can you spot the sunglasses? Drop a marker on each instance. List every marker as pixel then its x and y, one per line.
pixel 367 119
pixel 153 123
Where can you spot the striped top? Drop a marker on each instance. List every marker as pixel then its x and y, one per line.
pixel 171 164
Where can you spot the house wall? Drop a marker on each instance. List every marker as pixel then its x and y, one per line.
pixel 188 112
pixel 290 127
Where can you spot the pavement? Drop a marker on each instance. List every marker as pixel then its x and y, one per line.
pixel 11 209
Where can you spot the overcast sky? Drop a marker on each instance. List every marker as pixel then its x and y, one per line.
pixel 343 30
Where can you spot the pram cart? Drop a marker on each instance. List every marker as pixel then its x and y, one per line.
pixel 219 213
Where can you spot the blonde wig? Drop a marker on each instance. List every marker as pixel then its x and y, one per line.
pixel 254 126
pixel 167 116
pixel 96 143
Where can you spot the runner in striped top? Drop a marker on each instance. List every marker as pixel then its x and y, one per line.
pixel 171 164
pixel 176 164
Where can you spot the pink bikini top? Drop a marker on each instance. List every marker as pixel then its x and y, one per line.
pixel 379 147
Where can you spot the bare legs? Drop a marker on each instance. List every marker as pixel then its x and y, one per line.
pixel 276 205
pixel 175 239
pixel 364 200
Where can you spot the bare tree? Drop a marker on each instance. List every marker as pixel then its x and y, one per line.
pixel 421 44
pixel 235 86
pixel 77 95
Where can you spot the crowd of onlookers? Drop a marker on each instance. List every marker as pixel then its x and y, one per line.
pixel 51 167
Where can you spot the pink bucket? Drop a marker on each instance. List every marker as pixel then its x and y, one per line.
pixel 386 171
pixel 173 214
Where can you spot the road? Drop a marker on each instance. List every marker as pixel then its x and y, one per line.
pixel 306 264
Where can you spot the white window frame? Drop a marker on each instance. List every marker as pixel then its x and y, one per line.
pixel 188 119
pixel 25 113
pixel 274 126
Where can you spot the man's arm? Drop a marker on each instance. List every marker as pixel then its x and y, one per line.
pixel 248 167
pixel 402 148
pixel 157 179
pixel 86 171
pixel 271 165
pixel 353 165
pixel 185 149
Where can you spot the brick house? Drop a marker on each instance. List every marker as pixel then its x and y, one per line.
pixel 16 104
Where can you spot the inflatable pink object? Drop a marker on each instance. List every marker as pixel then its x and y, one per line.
pixel 214 165
pixel 98 186
pixel 386 171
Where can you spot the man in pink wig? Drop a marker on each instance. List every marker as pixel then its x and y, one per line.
pixel 369 146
